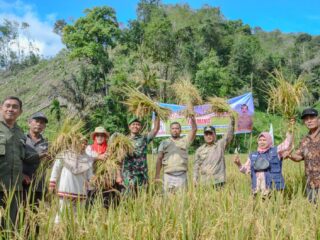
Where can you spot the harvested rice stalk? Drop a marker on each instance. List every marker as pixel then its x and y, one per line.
pixel 142 106
pixel 221 105
pixel 68 137
pixel 119 147
pixel 286 97
pixel 187 95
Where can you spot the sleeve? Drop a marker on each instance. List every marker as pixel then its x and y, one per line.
pixel 285 145
pixel 161 146
pixel 245 168
pixel 56 172
pixel 149 137
pixel 227 138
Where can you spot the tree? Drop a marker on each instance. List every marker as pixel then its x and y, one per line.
pixel 211 78
pixel 58 26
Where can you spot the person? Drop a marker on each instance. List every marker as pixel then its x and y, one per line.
pixel 173 156
pixel 245 122
pixel 209 166
pixel 135 168
pixel 12 155
pixel 99 147
pixel 98 151
pixel 265 164
pixel 73 171
pixel 37 150
pixel 309 152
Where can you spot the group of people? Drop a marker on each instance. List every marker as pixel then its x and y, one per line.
pixel 21 155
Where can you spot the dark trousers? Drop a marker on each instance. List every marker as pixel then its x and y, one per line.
pixel 10 207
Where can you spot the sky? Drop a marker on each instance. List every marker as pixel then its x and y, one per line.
pixel 289 16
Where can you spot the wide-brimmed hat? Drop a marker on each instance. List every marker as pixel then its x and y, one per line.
pixel 100 130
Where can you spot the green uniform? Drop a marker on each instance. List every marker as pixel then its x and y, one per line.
pixel 12 153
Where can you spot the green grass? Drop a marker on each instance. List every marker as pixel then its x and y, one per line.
pixel 199 213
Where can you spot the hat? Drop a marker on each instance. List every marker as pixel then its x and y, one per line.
pixel 309 112
pixel 39 115
pixel 209 129
pixel 99 130
pixel 132 120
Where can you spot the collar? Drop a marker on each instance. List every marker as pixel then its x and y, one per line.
pixel 5 124
pixel 314 134
pixel 40 139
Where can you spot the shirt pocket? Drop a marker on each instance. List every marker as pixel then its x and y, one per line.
pixel 2 145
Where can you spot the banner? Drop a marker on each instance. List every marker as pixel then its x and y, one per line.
pixel 242 104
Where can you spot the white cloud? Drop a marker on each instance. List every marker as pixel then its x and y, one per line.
pixel 40 31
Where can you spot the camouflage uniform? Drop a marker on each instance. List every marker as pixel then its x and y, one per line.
pixel 310 151
pixel 135 167
pixel 209 166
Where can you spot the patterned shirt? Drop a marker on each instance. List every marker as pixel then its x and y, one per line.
pixel 135 167
pixel 309 149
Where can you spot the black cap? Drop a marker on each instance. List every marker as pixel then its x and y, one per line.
pixel 209 129
pixel 309 112
pixel 39 115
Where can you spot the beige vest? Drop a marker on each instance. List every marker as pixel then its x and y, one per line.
pixel 175 155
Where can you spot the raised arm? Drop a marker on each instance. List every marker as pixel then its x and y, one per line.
pixel 193 132
pixel 227 138
pixel 156 127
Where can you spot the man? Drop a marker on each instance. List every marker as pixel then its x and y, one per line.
pixel 245 122
pixel 12 153
pixel 135 167
pixel 36 150
pixel 309 151
pixel 210 167
pixel 173 155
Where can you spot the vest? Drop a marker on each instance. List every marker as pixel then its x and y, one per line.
pixel 273 174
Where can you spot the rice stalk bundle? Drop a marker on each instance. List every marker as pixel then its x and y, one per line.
pixel 286 97
pixel 118 148
pixel 68 137
pixel 220 105
pixel 187 95
pixel 142 106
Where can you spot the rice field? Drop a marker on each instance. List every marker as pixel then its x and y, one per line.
pixel 199 213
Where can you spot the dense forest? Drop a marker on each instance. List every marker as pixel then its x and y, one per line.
pixel 164 43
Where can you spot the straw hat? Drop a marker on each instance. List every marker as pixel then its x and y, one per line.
pixel 100 130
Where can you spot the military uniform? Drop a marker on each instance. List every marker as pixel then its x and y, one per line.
pixel 135 167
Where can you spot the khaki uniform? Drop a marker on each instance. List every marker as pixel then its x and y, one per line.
pixel 209 166
pixel 175 163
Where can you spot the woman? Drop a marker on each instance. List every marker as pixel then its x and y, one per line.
pixel 99 147
pixel 265 165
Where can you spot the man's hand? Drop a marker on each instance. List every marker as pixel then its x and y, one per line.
pixel 119 180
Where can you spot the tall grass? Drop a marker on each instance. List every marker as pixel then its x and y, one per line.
pixel 199 213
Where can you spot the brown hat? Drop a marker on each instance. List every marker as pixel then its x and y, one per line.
pixel 100 130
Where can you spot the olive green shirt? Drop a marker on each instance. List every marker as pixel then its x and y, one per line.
pixel 12 153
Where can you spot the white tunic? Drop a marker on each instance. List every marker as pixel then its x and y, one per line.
pixel 72 172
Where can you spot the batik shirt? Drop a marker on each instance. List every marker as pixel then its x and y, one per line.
pixel 135 167
pixel 310 151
